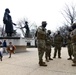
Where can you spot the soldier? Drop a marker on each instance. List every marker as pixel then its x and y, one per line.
pixel 74 43
pixel 41 36
pixel 49 42
pixel 58 43
pixel 7 20
pixel 69 46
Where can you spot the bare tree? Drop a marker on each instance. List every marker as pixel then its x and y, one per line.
pixel 20 25
pixel 32 27
pixel 64 30
pixel 69 13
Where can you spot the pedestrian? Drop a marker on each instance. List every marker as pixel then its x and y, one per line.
pixel 5 46
pixel 41 36
pixel 11 49
pixel 1 51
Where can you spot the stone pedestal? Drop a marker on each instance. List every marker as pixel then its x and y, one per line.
pixel 17 41
pixel 20 43
pixel 20 48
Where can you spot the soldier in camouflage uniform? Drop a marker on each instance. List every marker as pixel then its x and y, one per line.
pixel 41 36
pixel 58 43
pixel 49 42
pixel 74 43
pixel 69 45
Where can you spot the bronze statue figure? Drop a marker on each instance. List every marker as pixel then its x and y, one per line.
pixel 7 20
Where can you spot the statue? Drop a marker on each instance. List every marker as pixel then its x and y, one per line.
pixel 27 29
pixel 7 20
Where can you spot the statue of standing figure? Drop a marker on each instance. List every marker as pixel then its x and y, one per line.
pixel 27 29
pixel 7 20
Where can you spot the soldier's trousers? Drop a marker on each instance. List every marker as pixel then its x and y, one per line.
pixel 74 52
pixel 57 49
pixel 48 52
pixel 41 49
pixel 70 50
pixel 40 54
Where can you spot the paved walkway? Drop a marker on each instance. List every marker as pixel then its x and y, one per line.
pixel 27 64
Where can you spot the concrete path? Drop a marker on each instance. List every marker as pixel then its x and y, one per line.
pixel 27 64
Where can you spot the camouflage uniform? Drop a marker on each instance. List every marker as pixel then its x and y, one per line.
pixel 58 43
pixel 74 45
pixel 49 42
pixel 41 36
pixel 70 47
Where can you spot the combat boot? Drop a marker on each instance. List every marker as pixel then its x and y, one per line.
pixel 69 59
pixel 47 59
pixel 74 61
pixel 74 64
pixel 59 57
pixel 42 63
pixel 50 58
pixel 54 57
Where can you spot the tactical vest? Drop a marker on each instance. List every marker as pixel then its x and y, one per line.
pixel 74 36
pixel 69 41
pixel 58 39
pixel 48 40
pixel 41 34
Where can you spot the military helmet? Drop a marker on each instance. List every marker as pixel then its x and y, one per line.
pixel 70 29
pixel 44 23
pixel 58 32
pixel 49 31
pixel 7 10
pixel 74 26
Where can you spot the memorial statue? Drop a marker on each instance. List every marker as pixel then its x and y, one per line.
pixel 27 29
pixel 7 20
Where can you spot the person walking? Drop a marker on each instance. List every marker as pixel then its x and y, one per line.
pixel 11 49
pixel 5 46
pixel 1 51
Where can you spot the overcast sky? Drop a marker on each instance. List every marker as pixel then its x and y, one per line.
pixel 36 11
